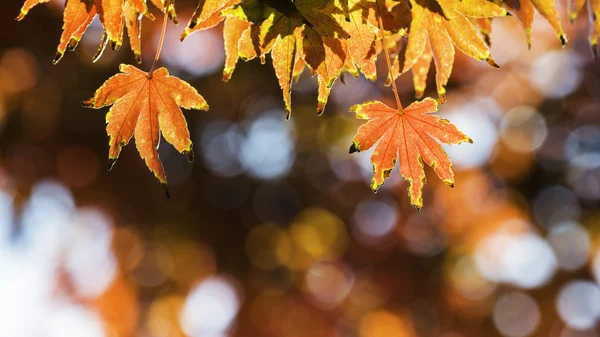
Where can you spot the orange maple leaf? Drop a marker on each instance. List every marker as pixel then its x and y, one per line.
pixel 411 136
pixel 114 16
pixel 143 105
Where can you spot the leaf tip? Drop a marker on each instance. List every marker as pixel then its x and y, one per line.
pixel 492 62
pixel 320 108
pixel 449 183
pixel 57 57
pixel 441 99
pixel 563 40
pixel 88 104
pixel 189 154
pixel 184 35
pixel 355 147
pixel 111 163
pixel 166 189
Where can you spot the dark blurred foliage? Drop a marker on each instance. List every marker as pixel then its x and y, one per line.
pixel 273 230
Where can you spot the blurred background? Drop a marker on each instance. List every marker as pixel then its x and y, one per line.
pixel 273 230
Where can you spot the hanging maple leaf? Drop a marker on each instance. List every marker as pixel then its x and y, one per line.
pixel 232 31
pixel 410 136
pixel 436 29
pixel 359 19
pixel 292 32
pixel 207 15
pixel 142 106
pixel 524 10
pixel 133 11
pixel 114 16
pixel 593 7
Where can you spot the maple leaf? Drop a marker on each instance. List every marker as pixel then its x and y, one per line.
pixel 436 29
pixel 359 19
pixel 133 11
pixel 143 106
pixel 593 6
pixel 114 16
pixel 207 15
pixel 232 31
pixel 410 136
pixel 27 6
pixel 293 32
pixel 524 10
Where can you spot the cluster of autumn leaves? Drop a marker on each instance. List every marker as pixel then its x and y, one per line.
pixel 329 37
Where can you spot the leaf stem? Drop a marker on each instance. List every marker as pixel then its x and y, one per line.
pixel 160 43
pixel 387 58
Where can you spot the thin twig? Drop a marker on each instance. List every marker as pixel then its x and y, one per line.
pixel 387 58
pixel 160 43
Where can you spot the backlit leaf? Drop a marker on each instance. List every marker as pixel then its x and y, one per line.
pixel 411 137
pixel 436 29
pixel 144 107
pixel 207 15
pixel 524 10
pixel 232 31
pixel 114 15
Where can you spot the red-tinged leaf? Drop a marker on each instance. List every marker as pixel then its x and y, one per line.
pixel 232 32
pixel 144 106
pixel 411 137
pixel 207 15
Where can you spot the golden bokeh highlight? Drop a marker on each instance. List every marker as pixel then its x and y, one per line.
pixel 317 234
pixel 384 323
pixel 163 317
